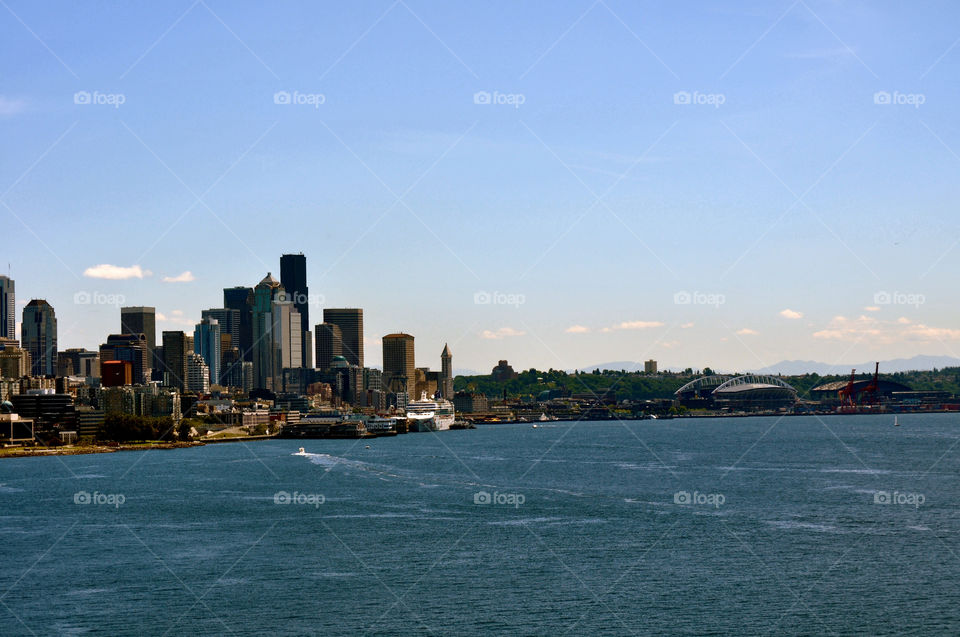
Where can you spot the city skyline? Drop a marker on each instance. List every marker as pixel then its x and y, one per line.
pixel 672 190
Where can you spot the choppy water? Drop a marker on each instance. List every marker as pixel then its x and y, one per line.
pixel 583 533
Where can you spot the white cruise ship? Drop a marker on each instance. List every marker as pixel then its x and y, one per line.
pixel 430 415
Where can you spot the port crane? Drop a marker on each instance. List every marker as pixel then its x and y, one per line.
pixel 846 394
pixel 870 391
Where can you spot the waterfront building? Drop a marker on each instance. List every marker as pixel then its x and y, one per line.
pixel 207 343
pixel 293 278
pixel 398 363
pixel 350 322
pixel 39 337
pixel 240 298
pixel 141 320
pixel 470 403
pixel 8 308
pixel 175 359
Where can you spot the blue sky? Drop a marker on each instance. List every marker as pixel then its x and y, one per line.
pixel 800 214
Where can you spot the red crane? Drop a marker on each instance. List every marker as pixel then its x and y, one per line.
pixel 846 394
pixel 874 386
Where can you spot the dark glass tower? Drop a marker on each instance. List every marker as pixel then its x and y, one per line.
pixel 293 278
pixel 241 298
pixel 8 307
pixel 350 322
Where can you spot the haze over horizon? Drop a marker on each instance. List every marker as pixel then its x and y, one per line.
pixel 700 185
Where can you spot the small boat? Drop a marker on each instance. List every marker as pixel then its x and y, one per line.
pixel 534 426
pixel 896 421
pixel 301 452
pixel 367 447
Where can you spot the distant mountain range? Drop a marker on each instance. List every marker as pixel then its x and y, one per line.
pixel 917 363
pixel 796 367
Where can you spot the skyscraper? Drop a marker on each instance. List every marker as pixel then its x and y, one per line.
pixel 398 363
pixel 39 337
pixel 262 346
pixel 293 278
pixel 329 341
pixel 229 320
pixel 175 359
pixel 8 309
pixel 141 320
pixel 350 322
pixel 240 298
pixel 446 373
pixel 206 343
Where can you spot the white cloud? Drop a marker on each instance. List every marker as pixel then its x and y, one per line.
pixel 872 308
pixel 501 333
pixel 10 106
pixel 747 332
pixel 686 326
pixel 176 318
pixel 116 272
pixel 183 277
pixel 577 329
pixel 871 330
pixel 634 325
pixel 791 314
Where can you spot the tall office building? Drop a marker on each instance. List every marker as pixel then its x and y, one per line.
pixel 198 374
pixel 175 359
pixel 39 337
pixel 229 320
pixel 287 336
pixel 446 373
pixel 293 278
pixel 329 341
pixel 131 348
pixel 350 322
pixel 398 363
pixel 8 308
pixel 262 350
pixel 141 320
pixel 206 343
pixel 240 298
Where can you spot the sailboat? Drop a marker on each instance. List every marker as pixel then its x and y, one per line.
pixel 896 421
